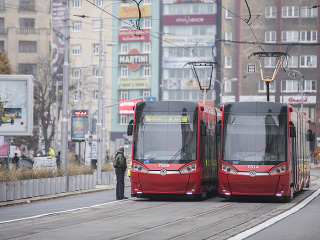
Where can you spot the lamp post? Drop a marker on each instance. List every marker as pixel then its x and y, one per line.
pixel 99 123
pixel 301 83
pixel 221 83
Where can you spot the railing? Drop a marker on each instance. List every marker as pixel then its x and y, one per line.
pixel 27 31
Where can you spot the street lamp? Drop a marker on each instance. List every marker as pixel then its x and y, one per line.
pixel 221 83
pixel 99 123
pixel 301 83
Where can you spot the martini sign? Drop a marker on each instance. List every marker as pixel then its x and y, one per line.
pixel 133 59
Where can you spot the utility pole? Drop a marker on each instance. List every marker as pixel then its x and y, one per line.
pixel 65 101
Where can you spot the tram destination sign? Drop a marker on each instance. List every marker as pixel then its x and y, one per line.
pixel 167 119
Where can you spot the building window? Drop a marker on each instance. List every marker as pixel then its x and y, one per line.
pixel 2 8
pixel 76 73
pixel 27 68
pixel 289 85
pixel 95 48
pixel 27 46
pixel 146 23
pixel 291 62
pixel 76 49
pixel 271 12
pixel 26 5
pixel 76 26
pixel 123 119
pixel 308 12
pixel 227 86
pixel 96 25
pixel 26 22
pixel 290 11
pixel 290 36
pixel 228 62
pixel 308 36
pixel 97 3
pixel 147 2
pixel 146 94
pixel 308 61
pixel 146 46
pixel 146 71
pixel 124 95
pixel 124 72
pixel 310 85
pixel 228 36
pixel 95 71
pixel 2 46
pixel 95 95
pixel 2 29
pixel 263 87
pixel 270 36
pixel 269 62
pixel 76 3
pixel 228 13
pixel 124 48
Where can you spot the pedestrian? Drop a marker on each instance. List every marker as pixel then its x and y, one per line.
pixel 51 152
pixel 77 160
pixel 58 160
pixel 120 165
pixel 15 160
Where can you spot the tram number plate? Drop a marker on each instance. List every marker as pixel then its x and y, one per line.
pixel 162 165
pixel 253 166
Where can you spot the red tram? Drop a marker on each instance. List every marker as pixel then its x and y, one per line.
pixel 174 149
pixel 264 150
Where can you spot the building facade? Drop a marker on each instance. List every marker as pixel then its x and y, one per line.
pixel 293 26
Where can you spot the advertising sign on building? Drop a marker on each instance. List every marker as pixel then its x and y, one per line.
pixel 204 19
pixel 133 59
pixel 133 11
pixel 200 41
pixel 79 125
pixel 181 62
pixel 134 35
pixel 126 107
pixel 134 83
pixel 16 105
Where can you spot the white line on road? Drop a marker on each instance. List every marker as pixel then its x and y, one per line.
pixel 275 219
pixel 65 211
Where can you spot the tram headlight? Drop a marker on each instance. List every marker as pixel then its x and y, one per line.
pixel 278 170
pixel 189 168
pixel 139 168
pixel 228 169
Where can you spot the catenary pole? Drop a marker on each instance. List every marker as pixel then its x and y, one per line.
pixel 65 99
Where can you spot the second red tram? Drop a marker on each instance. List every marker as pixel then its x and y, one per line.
pixel 174 149
pixel 264 150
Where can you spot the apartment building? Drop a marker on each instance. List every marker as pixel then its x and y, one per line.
pixel 289 24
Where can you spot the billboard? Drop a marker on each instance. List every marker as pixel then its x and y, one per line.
pixel 134 83
pixel 199 41
pixel 195 19
pixel 126 107
pixel 79 125
pixel 133 35
pixel 58 32
pixel 134 59
pixel 133 11
pixel 16 105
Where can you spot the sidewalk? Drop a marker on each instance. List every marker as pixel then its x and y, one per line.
pixel 99 188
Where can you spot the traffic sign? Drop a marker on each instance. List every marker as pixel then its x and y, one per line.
pixel 317 150
pixel 151 99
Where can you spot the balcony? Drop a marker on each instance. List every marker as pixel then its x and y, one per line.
pixel 27 31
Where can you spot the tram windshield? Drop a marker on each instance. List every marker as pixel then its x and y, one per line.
pixel 254 138
pixel 166 137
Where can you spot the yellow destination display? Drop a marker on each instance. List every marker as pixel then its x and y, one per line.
pixel 167 119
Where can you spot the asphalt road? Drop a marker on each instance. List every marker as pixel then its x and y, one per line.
pixel 212 218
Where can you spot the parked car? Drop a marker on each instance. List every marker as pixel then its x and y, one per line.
pixel 25 163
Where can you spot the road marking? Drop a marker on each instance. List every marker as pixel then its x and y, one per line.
pixel 65 211
pixel 275 219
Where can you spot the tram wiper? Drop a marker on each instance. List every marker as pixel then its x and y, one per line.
pixel 177 153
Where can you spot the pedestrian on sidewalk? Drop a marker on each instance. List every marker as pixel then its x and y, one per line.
pixel 120 165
